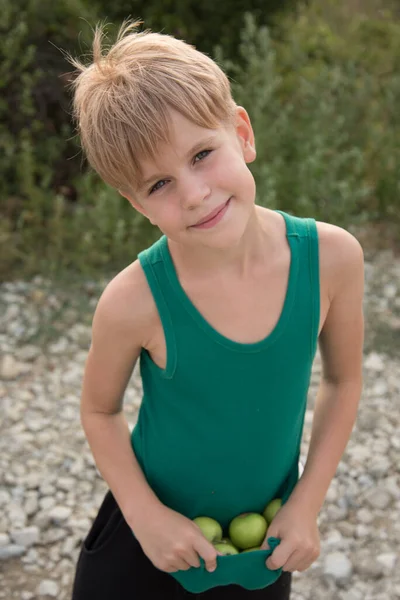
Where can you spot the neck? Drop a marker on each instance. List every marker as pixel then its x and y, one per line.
pixel 255 246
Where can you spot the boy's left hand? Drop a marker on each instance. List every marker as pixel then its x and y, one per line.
pixel 299 535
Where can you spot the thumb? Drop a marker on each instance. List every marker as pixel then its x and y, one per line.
pixel 208 553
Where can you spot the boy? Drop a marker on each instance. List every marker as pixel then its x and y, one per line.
pixel 225 312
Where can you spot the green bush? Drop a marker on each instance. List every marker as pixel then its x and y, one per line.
pixel 36 149
pixel 324 114
pixel 204 24
pixel 322 90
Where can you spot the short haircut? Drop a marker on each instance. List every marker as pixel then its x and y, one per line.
pixel 121 101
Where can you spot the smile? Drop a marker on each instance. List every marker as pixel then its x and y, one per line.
pixel 213 217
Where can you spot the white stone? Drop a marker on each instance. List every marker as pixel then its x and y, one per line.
pixel 60 346
pixel 66 484
pixel 4 540
pixel 68 547
pixel 48 588
pixel 362 531
pixel 338 566
pixel 9 367
pixel 378 498
pixel 5 498
pixel 374 362
pixel 47 502
pixel 388 560
pixel 54 535
pixel 390 290
pixel 16 515
pixel 364 516
pixel 334 538
pixel 28 352
pixel 31 556
pixel 26 537
pixel 359 453
pixel 11 551
pixel 379 466
pixel 37 424
pixel 31 506
pixel 32 481
pixel 60 513
pixel 352 595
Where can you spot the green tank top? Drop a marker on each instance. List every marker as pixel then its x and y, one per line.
pixel 219 429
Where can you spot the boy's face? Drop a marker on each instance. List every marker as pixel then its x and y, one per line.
pixel 198 190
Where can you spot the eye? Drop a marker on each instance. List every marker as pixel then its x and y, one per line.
pixel 201 155
pixel 157 186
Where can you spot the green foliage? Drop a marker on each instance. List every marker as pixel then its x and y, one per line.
pixel 35 129
pixel 322 89
pixel 100 233
pixel 204 24
pixel 324 115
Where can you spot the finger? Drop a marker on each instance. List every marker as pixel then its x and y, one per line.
pixel 293 562
pixel 178 565
pixel 299 562
pixel 280 556
pixel 192 558
pixel 207 552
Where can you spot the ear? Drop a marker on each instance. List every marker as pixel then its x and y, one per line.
pixel 245 134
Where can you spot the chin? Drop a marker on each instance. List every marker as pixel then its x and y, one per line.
pixel 227 237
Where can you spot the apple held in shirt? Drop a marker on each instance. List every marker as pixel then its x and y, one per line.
pixel 246 531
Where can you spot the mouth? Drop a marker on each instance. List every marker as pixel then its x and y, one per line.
pixel 213 217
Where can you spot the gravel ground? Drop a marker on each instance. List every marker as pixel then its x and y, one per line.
pixel 50 488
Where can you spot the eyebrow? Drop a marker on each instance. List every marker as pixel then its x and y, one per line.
pixel 196 148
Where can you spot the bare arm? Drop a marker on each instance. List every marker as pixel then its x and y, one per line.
pixel 116 345
pixel 341 346
pixel 120 326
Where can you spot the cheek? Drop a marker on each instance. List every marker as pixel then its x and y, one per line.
pixel 166 215
pixel 232 170
pixel 240 178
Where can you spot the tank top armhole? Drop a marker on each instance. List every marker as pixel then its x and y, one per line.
pixel 313 246
pixel 164 315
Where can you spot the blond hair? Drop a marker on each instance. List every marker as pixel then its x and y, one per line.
pixel 121 101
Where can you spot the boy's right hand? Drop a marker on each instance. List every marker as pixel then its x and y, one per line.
pixel 173 542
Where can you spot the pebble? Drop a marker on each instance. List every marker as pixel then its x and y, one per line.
pixel 377 498
pixel 338 566
pixel 10 551
pixel 26 537
pixel 60 513
pixel 51 489
pixel 48 588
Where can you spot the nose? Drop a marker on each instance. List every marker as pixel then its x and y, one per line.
pixel 193 190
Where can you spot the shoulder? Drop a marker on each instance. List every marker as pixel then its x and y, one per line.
pixel 126 304
pixel 341 256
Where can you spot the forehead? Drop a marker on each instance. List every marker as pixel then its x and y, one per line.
pixel 183 135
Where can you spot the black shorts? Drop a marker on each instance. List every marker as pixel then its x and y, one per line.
pixel 113 566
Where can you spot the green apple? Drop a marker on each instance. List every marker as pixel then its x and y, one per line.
pixel 271 509
pixel 226 548
pixel 247 530
pixel 211 529
pixel 251 549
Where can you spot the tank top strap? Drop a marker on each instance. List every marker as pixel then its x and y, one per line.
pixel 313 263
pixel 306 229
pixel 152 263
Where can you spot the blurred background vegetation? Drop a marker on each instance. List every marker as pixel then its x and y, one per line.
pixel 320 79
